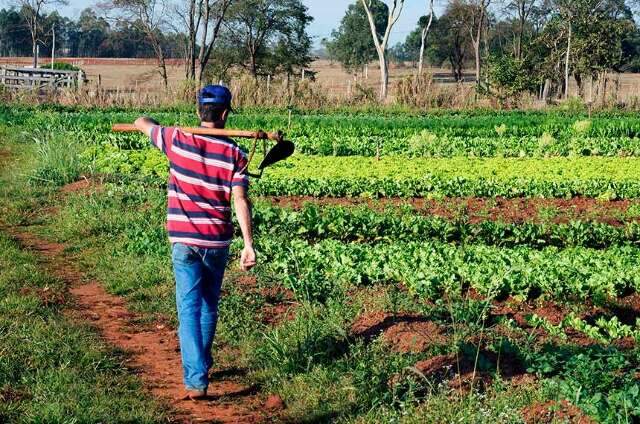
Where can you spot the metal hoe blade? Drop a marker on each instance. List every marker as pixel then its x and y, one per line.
pixel 282 150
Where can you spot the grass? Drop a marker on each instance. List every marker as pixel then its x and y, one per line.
pixel 53 369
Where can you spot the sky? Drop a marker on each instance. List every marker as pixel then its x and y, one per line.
pixel 326 14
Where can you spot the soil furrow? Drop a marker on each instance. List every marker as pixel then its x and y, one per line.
pixel 152 352
pixel 475 210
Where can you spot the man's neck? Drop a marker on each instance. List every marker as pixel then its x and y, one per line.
pixel 212 124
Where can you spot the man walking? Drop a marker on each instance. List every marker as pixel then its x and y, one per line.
pixel 204 173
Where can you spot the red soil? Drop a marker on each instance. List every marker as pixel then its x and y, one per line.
pixel 274 403
pixel 280 303
pixel 403 332
pixel 520 311
pixel 462 373
pixel 84 185
pixel 477 210
pixel 552 412
pixel 153 351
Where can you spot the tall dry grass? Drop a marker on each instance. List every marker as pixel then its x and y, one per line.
pixel 410 92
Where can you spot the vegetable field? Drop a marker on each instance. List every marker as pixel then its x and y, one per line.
pixel 452 267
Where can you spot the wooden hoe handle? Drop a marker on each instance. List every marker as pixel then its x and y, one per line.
pixel 259 135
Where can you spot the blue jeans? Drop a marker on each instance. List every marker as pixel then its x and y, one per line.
pixel 198 272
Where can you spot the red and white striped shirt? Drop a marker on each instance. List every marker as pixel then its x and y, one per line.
pixel 202 172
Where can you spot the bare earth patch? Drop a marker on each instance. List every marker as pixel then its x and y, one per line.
pixel 84 185
pixel 476 210
pixel 520 312
pixel 552 411
pixel 403 332
pixel 462 373
pixel 153 351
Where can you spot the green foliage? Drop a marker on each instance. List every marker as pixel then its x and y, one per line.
pixel 268 36
pixel 352 43
pixel 508 77
pixel 321 270
pixel 362 224
pixel 61 66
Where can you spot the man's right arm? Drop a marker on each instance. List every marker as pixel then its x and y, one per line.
pixel 243 212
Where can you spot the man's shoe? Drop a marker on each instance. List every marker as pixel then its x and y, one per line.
pixel 194 395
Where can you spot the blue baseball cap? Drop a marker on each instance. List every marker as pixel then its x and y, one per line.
pixel 216 95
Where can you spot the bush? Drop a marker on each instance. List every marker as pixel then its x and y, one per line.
pixel 508 78
pixel 61 66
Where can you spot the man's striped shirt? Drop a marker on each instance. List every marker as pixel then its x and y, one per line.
pixel 202 172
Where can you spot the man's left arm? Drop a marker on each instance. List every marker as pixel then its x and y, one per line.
pixel 145 124
pixel 160 137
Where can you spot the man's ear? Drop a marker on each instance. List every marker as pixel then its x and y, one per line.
pixel 225 114
pixel 198 112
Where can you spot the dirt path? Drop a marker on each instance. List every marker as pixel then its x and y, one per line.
pixel 154 353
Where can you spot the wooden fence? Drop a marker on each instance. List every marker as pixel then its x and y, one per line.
pixel 39 78
pixel 447 77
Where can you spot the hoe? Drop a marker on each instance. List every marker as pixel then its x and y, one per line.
pixel 282 150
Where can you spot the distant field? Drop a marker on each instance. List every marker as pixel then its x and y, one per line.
pixel 129 73
pixel 142 74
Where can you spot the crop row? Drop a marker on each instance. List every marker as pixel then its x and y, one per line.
pixel 338 135
pixel 606 178
pixel 423 144
pixel 464 124
pixel 316 270
pixel 363 224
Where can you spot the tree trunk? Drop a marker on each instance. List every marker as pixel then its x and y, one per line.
pixel 163 70
pixel 203 40
pixel 476 40
pixel 381 45
pixel 423 38
pixel 476 50
pixel 545 90
pixel 521 24
pixel 191 70
pixel 206 48
pixel 34 47
pixel 157 47
pixel 254 65
pixel 384 74
pixel 422 42
pixel 566 63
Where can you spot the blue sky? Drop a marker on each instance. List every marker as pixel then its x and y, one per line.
pixel 326 14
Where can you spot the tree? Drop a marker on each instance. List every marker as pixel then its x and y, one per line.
pixel 14 36
pixel 381 43
pixel 94 30
pixel 351 44
pixel 523 10
pixel 583 38
pixel 425 24
pixel 451 39
pixel 475 12
pixel 31 11
pixel 202 20
pixel 256 27
pixel 149 16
